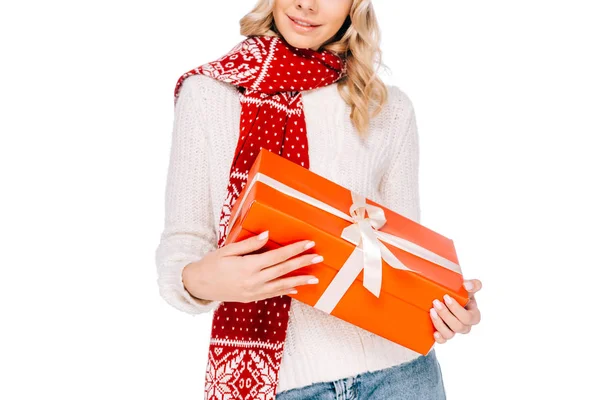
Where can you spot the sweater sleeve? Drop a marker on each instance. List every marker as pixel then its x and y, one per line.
pixel 188 231
pixel 400 183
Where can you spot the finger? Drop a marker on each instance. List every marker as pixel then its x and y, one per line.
pixel 288 266
pixel 472 302
pixel 449 318
pixel 283 284
pixel 440 325
pixel 471 306
pixel 245 246
pixel 276 256
pixel 284 292
pixel 472 285
pixel 281 293
pixel 439 338
pixel 462 314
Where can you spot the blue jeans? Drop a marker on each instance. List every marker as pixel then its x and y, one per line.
pixel 419 379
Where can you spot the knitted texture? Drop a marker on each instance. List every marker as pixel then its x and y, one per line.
pixel 382 166
pixel 270 74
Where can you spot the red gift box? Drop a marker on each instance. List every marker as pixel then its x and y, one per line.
pixel 381 270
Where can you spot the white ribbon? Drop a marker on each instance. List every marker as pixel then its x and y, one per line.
pixel 365 235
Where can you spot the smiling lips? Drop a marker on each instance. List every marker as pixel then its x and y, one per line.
pixel 302 24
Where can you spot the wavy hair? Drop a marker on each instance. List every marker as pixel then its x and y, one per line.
pixel 357 42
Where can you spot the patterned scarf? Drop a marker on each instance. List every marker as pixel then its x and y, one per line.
pixel 247 339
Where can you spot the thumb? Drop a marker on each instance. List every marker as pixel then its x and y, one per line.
pixel 472 285
pixel 245 246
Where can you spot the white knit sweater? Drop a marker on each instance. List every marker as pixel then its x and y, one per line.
pixel 383 167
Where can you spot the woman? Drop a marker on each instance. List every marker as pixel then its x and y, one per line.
pixel 302 85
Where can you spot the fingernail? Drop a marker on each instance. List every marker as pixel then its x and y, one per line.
pixel 317 259
pixel 263 235
pixel 448 299
pixel 433 313
pixel 309 245
pixel 468 285
pixel 313 280
pixel 437 335
pixel 293 291
pixel 437 304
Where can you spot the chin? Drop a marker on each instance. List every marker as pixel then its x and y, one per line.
pixel 301 42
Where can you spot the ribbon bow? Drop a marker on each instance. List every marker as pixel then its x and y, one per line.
pixel 363 232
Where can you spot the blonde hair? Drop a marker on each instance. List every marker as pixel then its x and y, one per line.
pixel 357 42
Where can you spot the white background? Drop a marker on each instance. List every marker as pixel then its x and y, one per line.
pixel 507 101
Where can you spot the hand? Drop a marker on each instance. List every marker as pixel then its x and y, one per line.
pixel 231 273
pixel 450 317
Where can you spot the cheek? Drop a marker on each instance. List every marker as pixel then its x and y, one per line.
pixel 332 28
pixel 278 17
pixel 336 14
pixel 280 4
pixel 278 7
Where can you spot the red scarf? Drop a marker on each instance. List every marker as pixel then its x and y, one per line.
pixel 247 339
